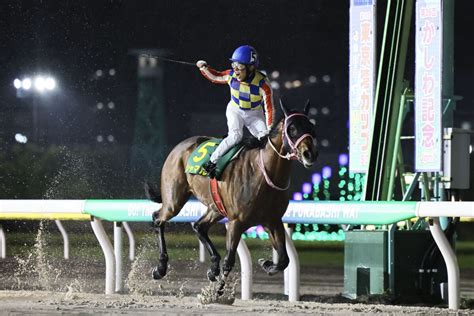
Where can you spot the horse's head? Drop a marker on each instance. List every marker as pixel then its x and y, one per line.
pixel 299 136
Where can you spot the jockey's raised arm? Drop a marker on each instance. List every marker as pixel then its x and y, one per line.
pixel 214 76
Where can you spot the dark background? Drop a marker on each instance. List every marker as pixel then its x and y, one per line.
pixel 72 40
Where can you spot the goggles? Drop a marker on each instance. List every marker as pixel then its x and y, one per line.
pixel 238 66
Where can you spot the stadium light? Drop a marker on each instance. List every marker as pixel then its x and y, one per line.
pixel 26 84
pixel 17 83
pixel 40 84
pixel 20 138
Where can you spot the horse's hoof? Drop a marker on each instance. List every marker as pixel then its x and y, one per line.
pixel 158 273
pixel 211 276
pixel 221 289
pixel 264 263
pixel 268 266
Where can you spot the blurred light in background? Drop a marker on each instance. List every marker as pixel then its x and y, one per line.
pixel 26 84
pixel 39 83
pixel 325 143
pixel 327 172
pixel 22 139
pixel 297 196
pixel 17 83
pixel 275 85
pixel 307 188
pixel 343 159
pixel 316 178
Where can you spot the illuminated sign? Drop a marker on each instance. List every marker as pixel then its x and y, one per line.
pixel 361 82
pixel 428 79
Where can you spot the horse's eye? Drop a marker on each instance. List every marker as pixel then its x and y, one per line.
pixel 292 130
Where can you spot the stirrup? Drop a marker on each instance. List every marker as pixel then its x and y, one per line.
pixel 210 168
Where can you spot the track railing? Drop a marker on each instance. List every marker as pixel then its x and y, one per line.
pixel 310 212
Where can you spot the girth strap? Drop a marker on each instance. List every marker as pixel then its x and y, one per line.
pixel 216 197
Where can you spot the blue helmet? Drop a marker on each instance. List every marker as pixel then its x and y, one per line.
pixel 246 55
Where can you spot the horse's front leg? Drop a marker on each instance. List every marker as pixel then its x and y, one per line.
pixel 234 233
pixel 201 227
pixel 159 226
pixel 277 237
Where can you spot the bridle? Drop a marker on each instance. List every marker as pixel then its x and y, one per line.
pixel 291 154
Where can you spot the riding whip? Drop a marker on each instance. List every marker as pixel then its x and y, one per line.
pixel 168 59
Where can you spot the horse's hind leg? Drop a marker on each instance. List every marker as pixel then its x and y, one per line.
pixel 201 227
pixel 160 218
pixel 160 270
pixel 277 237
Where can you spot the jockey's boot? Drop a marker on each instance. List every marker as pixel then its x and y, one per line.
pixel 210 168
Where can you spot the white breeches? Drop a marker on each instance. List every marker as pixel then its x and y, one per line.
pixel 254 120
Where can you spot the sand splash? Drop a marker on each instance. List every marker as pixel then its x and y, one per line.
pixel 36 270
pixel 209 294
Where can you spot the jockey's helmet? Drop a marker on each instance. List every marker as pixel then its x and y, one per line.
pixel 246 55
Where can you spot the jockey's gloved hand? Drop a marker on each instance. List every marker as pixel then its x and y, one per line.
pixel 201 64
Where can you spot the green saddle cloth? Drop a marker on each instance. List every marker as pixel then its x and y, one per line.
pixel 203 152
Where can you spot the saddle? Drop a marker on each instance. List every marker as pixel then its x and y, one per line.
pixel 202 154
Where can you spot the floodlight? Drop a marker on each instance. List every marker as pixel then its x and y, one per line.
pixel 50 83
pixel 40 84
pixel 26 83
pixel 17 83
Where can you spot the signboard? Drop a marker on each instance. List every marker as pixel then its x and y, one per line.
pixel 428 80
pixel 362 42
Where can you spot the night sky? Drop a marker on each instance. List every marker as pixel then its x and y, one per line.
pixel 73 39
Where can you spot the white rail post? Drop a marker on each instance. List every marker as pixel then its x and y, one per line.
pixel 245 270
pixel 274 255
pixel 118 255
pixel 202 252
pixel 65 238
pixel 107 249
pixel 451 263
pixel 131 240
pixel 3 244
pixel 293 269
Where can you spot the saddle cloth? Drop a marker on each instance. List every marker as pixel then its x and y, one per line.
pixel 203 152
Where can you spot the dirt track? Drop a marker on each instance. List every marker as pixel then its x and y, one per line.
pixel 78 290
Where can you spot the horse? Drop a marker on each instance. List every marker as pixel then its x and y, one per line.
pixel 253 188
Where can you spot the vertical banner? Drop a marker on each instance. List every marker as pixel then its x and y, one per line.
pixel 428 80
pixel 362 43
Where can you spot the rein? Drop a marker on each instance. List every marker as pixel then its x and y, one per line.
pixel 267 178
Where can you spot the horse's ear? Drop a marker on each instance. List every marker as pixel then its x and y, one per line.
pixel 306 107
pixel 283 108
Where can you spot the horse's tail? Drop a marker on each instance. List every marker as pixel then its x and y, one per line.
pixel 151 194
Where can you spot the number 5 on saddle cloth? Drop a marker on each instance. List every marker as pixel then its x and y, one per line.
pixel 203 152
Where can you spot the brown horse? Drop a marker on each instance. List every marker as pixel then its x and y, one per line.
pixel 253 188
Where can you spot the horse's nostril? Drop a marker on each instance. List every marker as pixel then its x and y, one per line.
pixel 307 154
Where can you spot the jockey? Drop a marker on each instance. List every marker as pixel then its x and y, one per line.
pixel 250 91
